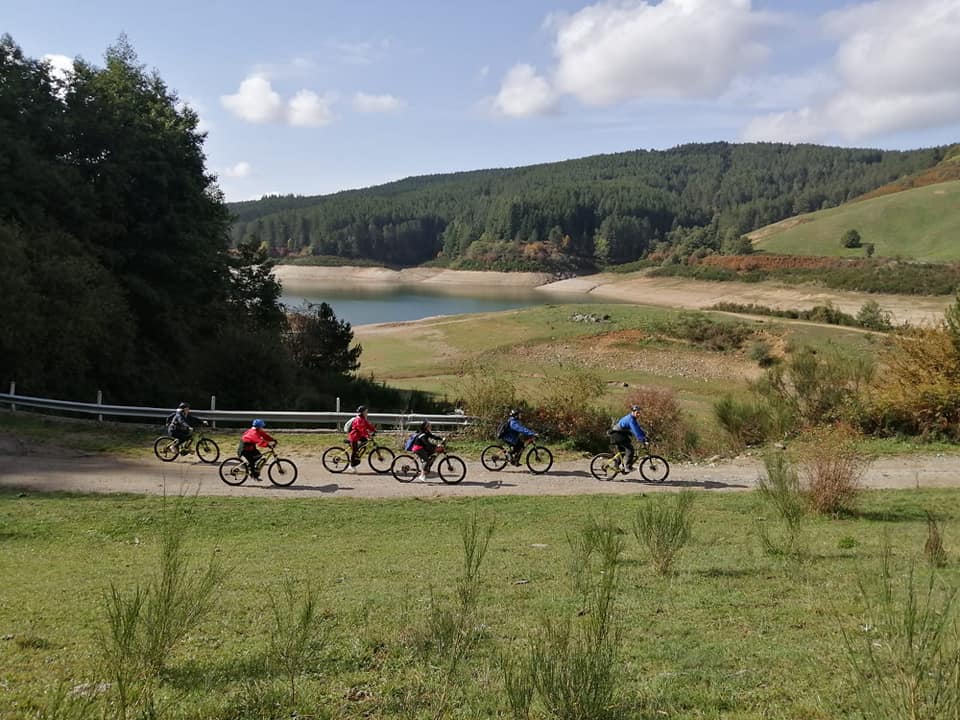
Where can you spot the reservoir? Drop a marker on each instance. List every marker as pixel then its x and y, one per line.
pixel 365 303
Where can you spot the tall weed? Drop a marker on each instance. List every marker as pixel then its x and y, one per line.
pixel 663 525
pixel 906 659
pixel 780 489
pixel 296 637
pixel 933 547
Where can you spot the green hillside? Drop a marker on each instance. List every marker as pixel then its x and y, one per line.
pixel 921 223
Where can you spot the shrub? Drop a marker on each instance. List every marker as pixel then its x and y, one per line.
pixel 746 421
pixel 663 526
pixel 873 317
pixel 700 330
pixel 566 409
pixel 850 239
pixel 832 468
pixel 905 658
pixel 485 395
pixel 933 547
pixel 664 421
pixel 762 354
pixel 780 488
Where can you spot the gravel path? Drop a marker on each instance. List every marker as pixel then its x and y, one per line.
pixel 106 474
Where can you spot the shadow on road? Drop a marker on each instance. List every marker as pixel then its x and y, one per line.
pixel 329 488
pixel 704 484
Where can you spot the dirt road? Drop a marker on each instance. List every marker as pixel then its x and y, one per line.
pixel 105 474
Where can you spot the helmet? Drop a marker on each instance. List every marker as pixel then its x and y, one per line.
pixel 634 408
pixel 183 406
pixel 258 423
pixel 361 409
pixel 514 412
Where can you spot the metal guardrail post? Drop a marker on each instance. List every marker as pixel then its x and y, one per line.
pixel 213 409
pixel 100 402
pixel 13 391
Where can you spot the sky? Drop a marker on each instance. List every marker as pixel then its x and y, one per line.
pixel 312 97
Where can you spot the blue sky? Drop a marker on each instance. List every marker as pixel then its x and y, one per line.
pixel 314 97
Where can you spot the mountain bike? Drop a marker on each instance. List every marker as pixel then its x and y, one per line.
pixel 168 448
pixel 337 458
pixel 653 468
pixel 537 458
pixel 281 471
pixel 451 469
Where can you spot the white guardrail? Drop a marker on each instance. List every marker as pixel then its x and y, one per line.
pixel 317 420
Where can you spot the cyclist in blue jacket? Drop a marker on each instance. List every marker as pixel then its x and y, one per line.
pixel 621 432
pixel 515 434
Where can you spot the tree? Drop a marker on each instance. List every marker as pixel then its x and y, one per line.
pixel 254 291
pixel 317 340
pixel 850 239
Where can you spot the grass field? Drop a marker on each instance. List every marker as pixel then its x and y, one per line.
pixel 630 348
pixel 732 633
pixel 921 223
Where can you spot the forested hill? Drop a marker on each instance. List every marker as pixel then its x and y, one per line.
pixel 578 213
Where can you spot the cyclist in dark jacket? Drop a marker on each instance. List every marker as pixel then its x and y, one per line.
pixel 181 423
pixel 424 446
pixel 515 434
pixel 623 432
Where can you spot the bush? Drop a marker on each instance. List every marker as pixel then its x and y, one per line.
pixel 484 395
pixel 700 330
pixel 664 421
pixel 850 239
pixel 663 527
pixel 762 354
pixel 873 317
pixel 566 410
pixel 746 421
pixel 832 468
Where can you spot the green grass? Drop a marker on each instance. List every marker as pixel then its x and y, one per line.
pixel 921 223
pixel 732 634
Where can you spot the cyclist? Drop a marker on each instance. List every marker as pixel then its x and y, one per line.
pixel 361 430
pixel 253 437
pixel 180 424
pixel 620 435
pixel 424 446
pixel 515 434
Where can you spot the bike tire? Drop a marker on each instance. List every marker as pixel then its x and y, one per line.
pixel 405 468
pixel 336 459
pixel 166 448
pixel 494 458
pixel 282 472
pixel 451 469
pixel 207 450
pixel 380 459
pixel 539 459
pixel 654 468
pixel 603 467
pixel 234 471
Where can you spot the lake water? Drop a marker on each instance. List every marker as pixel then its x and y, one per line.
pixel 361 304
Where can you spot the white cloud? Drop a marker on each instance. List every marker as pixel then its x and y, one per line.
pixel 896 70
pixel 61 66
pixel 616 50
pixel 611 51
pixel 524 93
pixel 362 102
pixel 255 101
pixel 241 170
pixel 307 109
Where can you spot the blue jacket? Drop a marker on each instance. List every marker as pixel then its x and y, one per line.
pixel 514 430
pixel 629 422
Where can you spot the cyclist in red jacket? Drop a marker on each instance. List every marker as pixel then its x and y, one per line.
pixel 361 430
pixel 255 436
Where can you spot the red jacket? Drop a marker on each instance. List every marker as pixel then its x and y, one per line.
pixel 256 436
pixel 360 429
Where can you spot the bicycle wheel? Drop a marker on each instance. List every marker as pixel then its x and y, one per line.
pixel 405 468
pixel 282 472
pixel 380 459
pixel 207 450
pixel 452 469
pixel 539 459
pixel 604 467
pixel 166 448
pixel 336 459
pixel 654 468
pixel 494 458
pixel 234 471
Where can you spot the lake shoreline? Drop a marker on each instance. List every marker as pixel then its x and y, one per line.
pixel 678 293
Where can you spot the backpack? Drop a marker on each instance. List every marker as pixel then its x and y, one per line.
pixel 408 444
pixel 348 424
pixel 503 429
